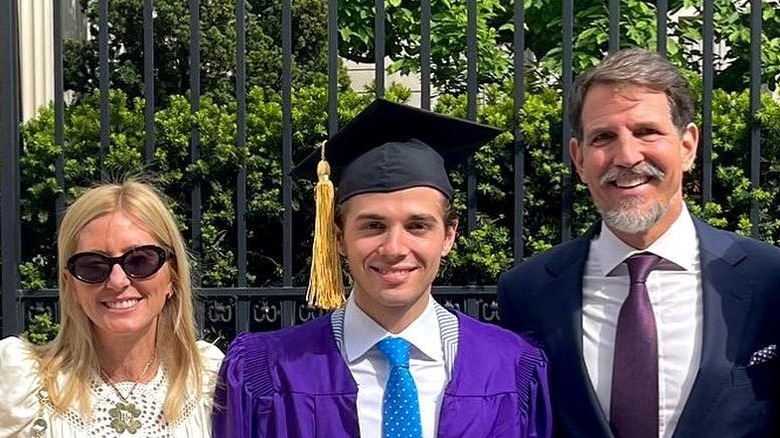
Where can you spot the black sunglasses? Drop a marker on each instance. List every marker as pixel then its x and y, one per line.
pixel 139 262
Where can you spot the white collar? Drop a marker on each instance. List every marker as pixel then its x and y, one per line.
pixel 361 332
pixel 678 245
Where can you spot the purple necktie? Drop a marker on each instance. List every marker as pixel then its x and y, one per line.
pixel 634 404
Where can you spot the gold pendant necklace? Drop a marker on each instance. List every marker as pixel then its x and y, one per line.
pixel 124 415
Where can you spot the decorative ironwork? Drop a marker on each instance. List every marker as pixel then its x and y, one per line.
pixel 265 312
pixel 448 303
pixel 48 306
pixel 488 311
pixel 227 312
pixel 454 302
pixel 305 312
pixel 219 312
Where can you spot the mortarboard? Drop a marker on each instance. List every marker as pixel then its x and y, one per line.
pixel 387 147
pixel 391 146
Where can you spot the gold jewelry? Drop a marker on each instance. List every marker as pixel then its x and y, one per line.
pixel 124 415
pixel 40 425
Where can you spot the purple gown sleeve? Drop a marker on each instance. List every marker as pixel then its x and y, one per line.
pixel 532 373
pixel 244 393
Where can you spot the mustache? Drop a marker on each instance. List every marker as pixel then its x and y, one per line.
pixel 641 169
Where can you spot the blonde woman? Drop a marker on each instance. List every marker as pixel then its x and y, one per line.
pixel 126 361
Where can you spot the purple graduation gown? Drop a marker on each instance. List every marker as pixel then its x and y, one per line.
pixel 295 383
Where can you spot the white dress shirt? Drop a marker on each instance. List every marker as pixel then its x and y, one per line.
pixel 370 371
pixel 675 290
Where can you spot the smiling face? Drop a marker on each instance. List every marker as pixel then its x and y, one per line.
pixel 394 243
pixel 120 306
pixel 632 158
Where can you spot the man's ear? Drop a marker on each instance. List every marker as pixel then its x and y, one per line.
pixel 575 152
pixel 688 146
pixel 340 241
pixel 450 234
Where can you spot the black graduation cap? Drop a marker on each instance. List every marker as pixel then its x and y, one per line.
pixel 387 147
pixel 391 146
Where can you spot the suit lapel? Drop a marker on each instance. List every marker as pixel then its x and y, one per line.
pixel 726 296
pixel 562 305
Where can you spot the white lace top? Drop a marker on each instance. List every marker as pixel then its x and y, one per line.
pixel 140 416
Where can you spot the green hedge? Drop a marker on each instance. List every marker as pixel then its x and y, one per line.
pixel 487 249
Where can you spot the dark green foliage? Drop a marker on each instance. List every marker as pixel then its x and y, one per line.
pixel 485 251
pixel 448 38
pixel 217 42
pixel 732 191
pixel 172 171
pixel 543 31
pixel 41 329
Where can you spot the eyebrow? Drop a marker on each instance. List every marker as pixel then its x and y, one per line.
pixel 645 124
pixel 414 217
pixel 598 130
pixel 423 217
pixel 124 250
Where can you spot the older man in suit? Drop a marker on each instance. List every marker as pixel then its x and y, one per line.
pixel 655 324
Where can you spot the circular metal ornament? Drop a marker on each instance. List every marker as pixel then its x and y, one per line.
pixel 39 427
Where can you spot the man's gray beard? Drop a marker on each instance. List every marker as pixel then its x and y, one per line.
pixel 632 218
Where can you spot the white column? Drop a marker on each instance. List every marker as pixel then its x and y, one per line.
pixel 36 49
pixel 36 55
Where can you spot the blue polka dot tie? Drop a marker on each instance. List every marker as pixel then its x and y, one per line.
pixel 400 407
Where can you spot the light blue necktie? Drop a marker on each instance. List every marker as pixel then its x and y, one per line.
pixel 400 407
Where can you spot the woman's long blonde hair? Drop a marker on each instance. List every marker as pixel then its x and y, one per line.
pixel 69 362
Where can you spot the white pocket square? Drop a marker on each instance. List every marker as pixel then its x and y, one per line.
pixel 763 355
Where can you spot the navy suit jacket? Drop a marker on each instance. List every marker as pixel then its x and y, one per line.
pixel 542 298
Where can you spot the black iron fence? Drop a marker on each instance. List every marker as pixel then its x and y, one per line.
pixel 228 310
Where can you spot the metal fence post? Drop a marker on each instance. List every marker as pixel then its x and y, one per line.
pixel 9 143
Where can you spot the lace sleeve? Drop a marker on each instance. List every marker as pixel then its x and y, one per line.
pixel 19 384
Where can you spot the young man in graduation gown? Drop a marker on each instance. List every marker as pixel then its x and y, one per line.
pixel 391 362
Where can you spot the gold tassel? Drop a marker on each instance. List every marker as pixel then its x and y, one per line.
pixel 326 286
